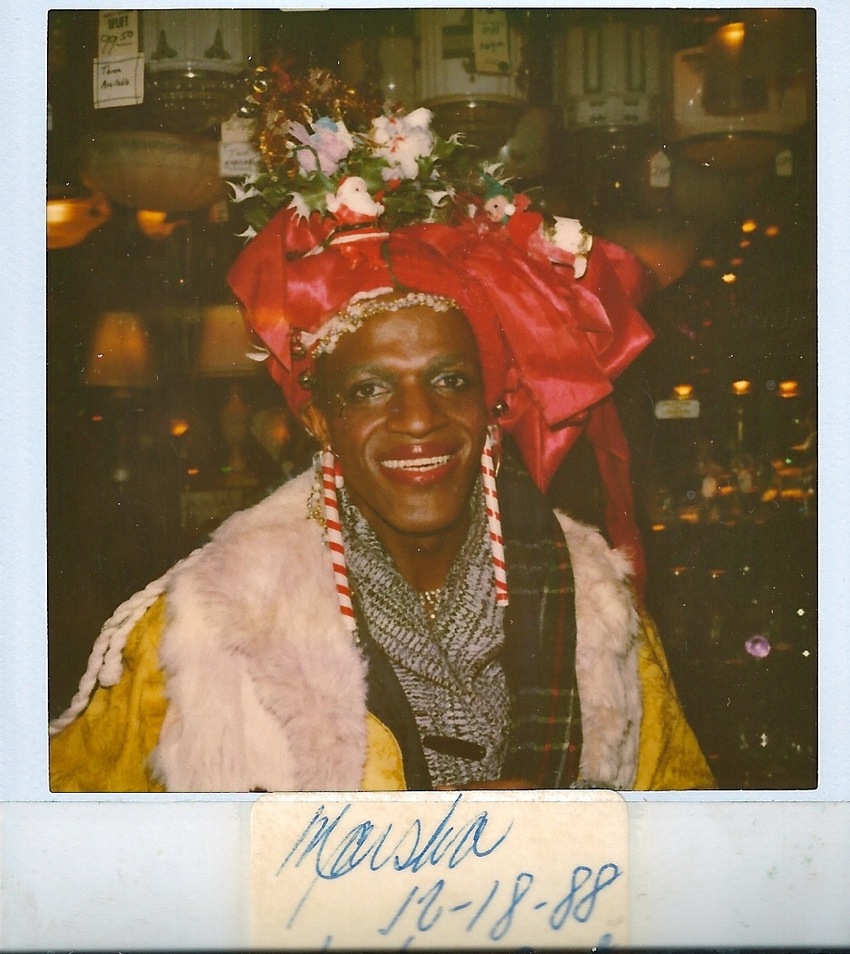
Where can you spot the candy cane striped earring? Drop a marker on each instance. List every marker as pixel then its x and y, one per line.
pixel 494 520
pixel 331 482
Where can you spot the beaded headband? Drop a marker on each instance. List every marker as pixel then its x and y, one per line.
pixel 356 312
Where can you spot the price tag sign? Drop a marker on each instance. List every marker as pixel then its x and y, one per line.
pixel 119 68
pixel 237 159
pixel 118 34
pixel 490 41
pixel 471 870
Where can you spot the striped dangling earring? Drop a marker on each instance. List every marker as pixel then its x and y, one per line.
pixel 494 522
pixel 331 480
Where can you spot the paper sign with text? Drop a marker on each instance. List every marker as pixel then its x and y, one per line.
pixel 118 34
pixel 454 870
pixel 119 82
pixel 490 41
pixel 237 159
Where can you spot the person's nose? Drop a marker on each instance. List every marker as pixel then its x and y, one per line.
pixel 414 410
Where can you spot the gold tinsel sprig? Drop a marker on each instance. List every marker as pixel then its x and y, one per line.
pixel 280 97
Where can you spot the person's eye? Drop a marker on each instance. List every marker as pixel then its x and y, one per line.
pixel 454 381
pixel 367 391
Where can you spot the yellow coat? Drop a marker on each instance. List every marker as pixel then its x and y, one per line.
pixel 106 748
pixel 235 672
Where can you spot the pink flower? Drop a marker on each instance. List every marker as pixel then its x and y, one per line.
pixel 324 148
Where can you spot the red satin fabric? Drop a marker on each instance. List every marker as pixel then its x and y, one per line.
pixel 550 345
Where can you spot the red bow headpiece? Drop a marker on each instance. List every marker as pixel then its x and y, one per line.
pixel 550 344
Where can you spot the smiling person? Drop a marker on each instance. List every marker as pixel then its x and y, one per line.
pixel 409 612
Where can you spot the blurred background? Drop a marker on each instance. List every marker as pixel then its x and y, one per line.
pixel 687 136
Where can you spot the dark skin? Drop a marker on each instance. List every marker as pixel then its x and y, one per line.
pixel 400 401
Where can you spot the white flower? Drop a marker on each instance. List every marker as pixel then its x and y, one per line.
pixel 401 140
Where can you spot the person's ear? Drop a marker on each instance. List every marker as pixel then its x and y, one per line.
pixel 316 424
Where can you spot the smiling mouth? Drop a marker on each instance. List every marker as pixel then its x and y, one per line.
pixel 418 465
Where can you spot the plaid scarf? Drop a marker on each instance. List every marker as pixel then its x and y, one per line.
pixel 537 657
pixel 448 667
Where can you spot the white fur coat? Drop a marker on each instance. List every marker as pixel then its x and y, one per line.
pixel 266 688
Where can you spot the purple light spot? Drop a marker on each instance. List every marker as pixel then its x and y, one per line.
pixel 758 646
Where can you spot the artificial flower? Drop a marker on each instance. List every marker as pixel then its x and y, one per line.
pixel 324 148
pixel 402 141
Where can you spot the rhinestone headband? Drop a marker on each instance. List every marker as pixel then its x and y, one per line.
pixel 356 312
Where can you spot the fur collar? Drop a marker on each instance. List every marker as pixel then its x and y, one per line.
pixel 266 687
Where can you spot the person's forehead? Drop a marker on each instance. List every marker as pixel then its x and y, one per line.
pixel 413 332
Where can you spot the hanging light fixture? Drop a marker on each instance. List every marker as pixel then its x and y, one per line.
pixel 142 169
pixel 194 60
pixel 608 86
pixel 70 220
pixel 739 97
pixel 470 74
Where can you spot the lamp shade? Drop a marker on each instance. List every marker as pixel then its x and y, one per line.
pixel 225 344
pixel 154 170
pixel 70 220
pixel 120 355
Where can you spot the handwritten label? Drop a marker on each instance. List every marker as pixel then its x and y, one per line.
pixel 119 82
pixel 490 41
pixel 461 870
pixel 118 34
pixel 237 159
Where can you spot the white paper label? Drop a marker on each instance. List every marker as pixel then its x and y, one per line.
pixel 674 409
pixel 659 170
pixel 236 129
pixel 119 82
pixel 490 42
pixel 118 35
pixel 237 159
pixel 474 870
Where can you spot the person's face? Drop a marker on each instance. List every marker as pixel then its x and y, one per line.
pixel 400 401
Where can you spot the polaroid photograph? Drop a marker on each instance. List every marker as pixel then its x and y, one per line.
pixel 419 535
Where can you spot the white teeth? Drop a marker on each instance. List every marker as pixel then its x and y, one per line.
pixel 420 463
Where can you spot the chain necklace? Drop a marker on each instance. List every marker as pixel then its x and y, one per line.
pixel 430 601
